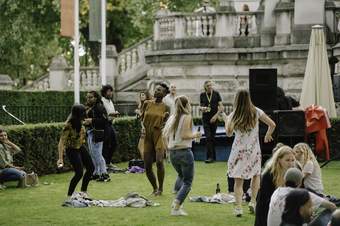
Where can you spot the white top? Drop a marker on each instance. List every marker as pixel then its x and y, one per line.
pixel 178 142
pixel 169 100
pixel 277 204
pixel 312 181
pixel 110 109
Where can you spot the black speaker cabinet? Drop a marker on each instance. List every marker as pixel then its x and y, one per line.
pixel 262 86
pixel 290 127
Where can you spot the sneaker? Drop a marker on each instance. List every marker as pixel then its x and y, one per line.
pixel 209 160
pixel 179 212
pixel 251 206
pixel 84 195
pixel 238 211
pixel 103 178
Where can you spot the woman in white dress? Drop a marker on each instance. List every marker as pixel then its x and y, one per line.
pixel 245 158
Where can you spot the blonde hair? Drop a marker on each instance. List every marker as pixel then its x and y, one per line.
pixel 182 107
pixel 273 166
pixel 244 116
pixel 307 154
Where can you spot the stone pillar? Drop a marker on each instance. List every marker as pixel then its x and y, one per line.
pixel 111 65
pixel 269 22
pixel 180 27
pixel 306 14
pixel 225 24
pixel 57 74
pixel 283 12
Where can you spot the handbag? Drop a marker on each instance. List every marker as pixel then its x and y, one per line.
pixel 32 179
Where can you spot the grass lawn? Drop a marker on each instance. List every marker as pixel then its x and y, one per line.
pixel 42 205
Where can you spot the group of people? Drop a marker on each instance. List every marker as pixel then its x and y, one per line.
pixel 89 139
pixel 282 193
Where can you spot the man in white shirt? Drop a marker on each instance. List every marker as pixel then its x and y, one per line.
pixel 293 179
pixel 110 141
pixel 169 99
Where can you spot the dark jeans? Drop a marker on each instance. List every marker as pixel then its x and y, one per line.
pixel 78 159
pixel 11 174
pixel 210 132
pixel 183 162
pixel 110 143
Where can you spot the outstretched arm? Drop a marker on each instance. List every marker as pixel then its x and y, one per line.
pixel 271 127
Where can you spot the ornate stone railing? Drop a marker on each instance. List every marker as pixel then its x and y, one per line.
pixel 192 25
pixel 41 83
pixel 89 78
pixel 132 57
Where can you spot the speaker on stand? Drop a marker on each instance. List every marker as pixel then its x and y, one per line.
pixel 290 127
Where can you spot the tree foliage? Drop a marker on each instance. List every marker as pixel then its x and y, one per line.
pixel 30 30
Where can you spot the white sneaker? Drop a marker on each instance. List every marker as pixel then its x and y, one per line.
pixel 238 212
pixel 179 212
pixel 84 195
pixel 251 206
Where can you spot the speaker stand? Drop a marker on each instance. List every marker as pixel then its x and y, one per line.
pixel 332 159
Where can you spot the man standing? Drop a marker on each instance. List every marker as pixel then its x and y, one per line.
pixel 9 172
pixel 169 99
pixel 110 141
pixel 210 100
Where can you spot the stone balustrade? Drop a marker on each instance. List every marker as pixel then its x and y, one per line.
pixel 130 58
pixel 192 25
pixel 89 78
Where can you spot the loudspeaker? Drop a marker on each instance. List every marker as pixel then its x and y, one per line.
pixel 262 86
pixel 290 127
pixel 290 123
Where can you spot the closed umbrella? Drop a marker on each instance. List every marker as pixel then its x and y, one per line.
pixel 317 85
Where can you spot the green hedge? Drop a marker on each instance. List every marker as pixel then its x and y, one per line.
pixel 36 107
pixel 39 143
pixel 37 98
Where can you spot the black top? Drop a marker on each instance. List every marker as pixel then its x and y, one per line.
pixel 98 115
pixel 266 190
pixel 213 104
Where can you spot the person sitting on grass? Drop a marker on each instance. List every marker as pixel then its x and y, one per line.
pixel 8 171
pixel 293 179
pixel 298 208
pixel 272 177
pixel 335 220
pixel 310 168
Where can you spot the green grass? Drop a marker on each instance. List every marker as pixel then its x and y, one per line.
pixel 42 205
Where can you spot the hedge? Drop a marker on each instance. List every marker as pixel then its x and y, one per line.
pixel 39 143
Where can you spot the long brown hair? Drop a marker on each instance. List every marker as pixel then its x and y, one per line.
pixel 244 115
pixel 182 108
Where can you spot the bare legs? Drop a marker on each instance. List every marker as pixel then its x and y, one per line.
pixel 157 190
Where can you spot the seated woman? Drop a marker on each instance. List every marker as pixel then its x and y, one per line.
pixel 272 177
pixel 310 168
pixel 9 172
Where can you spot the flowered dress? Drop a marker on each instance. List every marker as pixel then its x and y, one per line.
pixel 245 157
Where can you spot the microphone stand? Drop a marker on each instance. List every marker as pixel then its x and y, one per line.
pixel 10 114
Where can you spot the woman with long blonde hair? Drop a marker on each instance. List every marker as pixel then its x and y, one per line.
pixel 245 158
pixel 309 166
pixel 272 178
pixel 178 135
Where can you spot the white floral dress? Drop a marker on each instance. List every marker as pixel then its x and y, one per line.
pixel 245 157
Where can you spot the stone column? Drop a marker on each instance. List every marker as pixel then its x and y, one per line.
pixel 180 27
pixel 111 65
pixel 283 12
pixel 306 14
pixel 57 74
pixel 269 22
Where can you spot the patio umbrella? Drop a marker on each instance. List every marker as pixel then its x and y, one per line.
pixel 317 85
